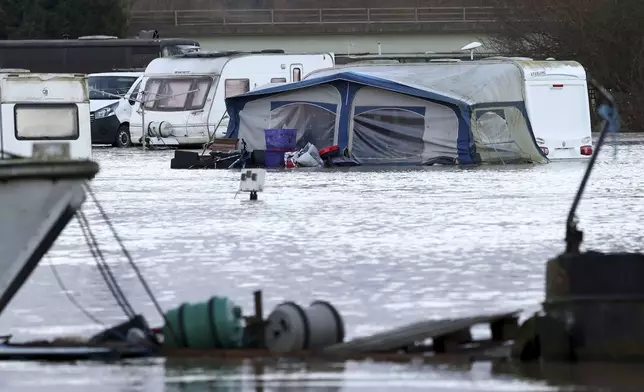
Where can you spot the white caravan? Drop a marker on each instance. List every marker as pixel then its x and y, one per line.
pixel 556 100
pixel 185 94
pixel 558 105
pixel 110 115
pixel 44 115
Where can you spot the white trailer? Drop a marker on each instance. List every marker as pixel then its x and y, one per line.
pixel 558 105
pixel 184 95
pixel 44 115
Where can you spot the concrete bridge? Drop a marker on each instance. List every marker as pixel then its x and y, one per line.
pixel 345 29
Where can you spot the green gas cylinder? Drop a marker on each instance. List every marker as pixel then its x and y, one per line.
pixel 215 323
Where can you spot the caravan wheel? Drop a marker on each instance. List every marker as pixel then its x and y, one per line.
pixel 123 138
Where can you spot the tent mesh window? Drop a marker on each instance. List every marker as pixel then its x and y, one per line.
pixel 388 134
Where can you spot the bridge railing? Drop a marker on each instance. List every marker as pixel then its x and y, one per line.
pixel 316 16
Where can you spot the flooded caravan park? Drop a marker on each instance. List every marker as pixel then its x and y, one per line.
pixel 386 247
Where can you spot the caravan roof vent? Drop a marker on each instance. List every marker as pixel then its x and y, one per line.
pixel 98 37
pixel 445 61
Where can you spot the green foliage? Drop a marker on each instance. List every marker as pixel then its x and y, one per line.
pixel 51 19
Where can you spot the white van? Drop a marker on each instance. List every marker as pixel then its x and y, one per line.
pixel 44 115
pixel 110 115
pixel 185 94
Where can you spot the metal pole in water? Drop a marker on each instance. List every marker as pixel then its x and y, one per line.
pixel 143 119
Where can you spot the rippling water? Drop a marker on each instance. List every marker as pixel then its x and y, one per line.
pixel 386 247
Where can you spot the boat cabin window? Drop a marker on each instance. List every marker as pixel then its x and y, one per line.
pixel 177 94
pixel 297 74
pixel 46 121
pixel 105 87
pixel 278 80
pixel 236 87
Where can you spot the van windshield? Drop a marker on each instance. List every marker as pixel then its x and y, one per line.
pixel 104 87
pixel 177 94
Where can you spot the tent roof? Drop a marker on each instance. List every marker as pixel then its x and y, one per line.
pixel 456 83
pixel 348 76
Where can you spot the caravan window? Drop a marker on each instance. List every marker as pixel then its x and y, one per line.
pixel 278 80
pixel 236 87
pixel 177 94
pixel 198 98
pixel 41 121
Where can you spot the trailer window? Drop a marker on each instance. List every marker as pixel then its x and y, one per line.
pixel 278 80
pixel 236 87
pixel 198 98
pixel 174 94
pixel 46 121
pixel 177 94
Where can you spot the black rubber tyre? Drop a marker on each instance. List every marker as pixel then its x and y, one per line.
pixel 123 138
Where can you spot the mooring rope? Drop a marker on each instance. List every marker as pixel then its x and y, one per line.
pixel 103 267
pixel 127 255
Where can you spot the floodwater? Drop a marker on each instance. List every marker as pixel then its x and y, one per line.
pixel 386 247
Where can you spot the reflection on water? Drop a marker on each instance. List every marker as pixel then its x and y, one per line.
pixel 386 247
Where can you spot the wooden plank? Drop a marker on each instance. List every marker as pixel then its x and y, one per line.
pixel 404 336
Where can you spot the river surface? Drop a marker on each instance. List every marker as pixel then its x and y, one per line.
pixel 386 247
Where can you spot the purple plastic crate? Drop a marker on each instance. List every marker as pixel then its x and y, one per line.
pixel 280 139
pixel 274 158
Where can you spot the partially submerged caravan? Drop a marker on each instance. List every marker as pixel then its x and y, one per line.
pixel 554 96
pixel 466 112
pixel 184 95
pixel 44 115
pixel 558 105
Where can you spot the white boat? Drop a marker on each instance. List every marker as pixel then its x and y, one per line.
pixel 39 198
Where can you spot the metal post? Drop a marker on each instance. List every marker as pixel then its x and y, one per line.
pixel 143 119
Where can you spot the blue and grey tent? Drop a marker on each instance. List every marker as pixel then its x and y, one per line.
pixel 469 112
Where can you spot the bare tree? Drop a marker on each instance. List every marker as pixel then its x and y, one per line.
pixel 606 36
